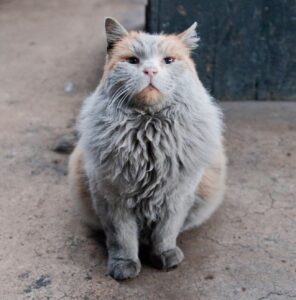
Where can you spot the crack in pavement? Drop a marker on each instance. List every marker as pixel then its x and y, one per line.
pixel 276 294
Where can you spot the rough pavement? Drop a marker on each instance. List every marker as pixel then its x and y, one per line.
pixel 51 55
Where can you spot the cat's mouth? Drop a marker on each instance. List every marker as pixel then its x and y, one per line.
pixel 151 91
pixel 150 95
pixel 150 87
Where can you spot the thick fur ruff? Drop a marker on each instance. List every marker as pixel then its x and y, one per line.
pixel 142 160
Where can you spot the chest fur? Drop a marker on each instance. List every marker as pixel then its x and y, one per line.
pixel 146 159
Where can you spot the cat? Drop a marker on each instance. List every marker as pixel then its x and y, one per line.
pixel 150 160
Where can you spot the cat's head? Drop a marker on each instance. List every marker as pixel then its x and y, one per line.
pixel 145 70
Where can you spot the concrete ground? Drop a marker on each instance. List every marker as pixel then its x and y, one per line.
pixel 51 55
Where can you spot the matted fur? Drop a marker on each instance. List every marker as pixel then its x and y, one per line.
pixel 150 159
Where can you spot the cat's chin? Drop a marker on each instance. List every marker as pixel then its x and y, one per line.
pixel 149 96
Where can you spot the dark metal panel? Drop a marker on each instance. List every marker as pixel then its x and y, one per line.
pixel 247 48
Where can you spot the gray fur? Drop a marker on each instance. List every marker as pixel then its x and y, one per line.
pixel 144 163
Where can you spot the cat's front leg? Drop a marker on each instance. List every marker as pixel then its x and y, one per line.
pixel 166 254
pixel 122 242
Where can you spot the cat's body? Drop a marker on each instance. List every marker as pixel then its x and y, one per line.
pixel 150 161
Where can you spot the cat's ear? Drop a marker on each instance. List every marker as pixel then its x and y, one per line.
pixel 114 32
pixel 189 37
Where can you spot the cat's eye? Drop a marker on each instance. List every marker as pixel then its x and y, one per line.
pixel 133 60
pixel 168 60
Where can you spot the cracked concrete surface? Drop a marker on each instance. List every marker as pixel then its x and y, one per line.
pixel 51 55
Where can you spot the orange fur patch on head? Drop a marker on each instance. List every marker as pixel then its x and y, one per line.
pixel 121 51
pixel 173 46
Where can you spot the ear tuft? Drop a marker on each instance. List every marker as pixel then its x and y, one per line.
pixel 114 32
pixel 189 37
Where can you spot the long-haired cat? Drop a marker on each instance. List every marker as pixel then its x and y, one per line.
pixel 149 162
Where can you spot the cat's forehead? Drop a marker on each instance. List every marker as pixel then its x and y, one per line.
pixel 146 45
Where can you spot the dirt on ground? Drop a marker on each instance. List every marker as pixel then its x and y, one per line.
pixel 51 58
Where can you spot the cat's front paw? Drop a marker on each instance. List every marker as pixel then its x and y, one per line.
pixel 168 260
pixel 121 269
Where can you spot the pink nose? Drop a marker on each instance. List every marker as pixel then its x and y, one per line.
pixel 150 72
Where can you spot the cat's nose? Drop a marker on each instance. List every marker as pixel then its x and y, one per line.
pixel 151 72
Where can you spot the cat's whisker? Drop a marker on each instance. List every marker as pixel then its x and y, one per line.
pixel 123 93
pixel 120 96
pixel 118 93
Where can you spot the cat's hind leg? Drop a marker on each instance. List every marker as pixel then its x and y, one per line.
pixel 79 189
pixel 209 193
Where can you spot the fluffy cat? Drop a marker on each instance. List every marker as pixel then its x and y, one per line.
pixel 149 162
